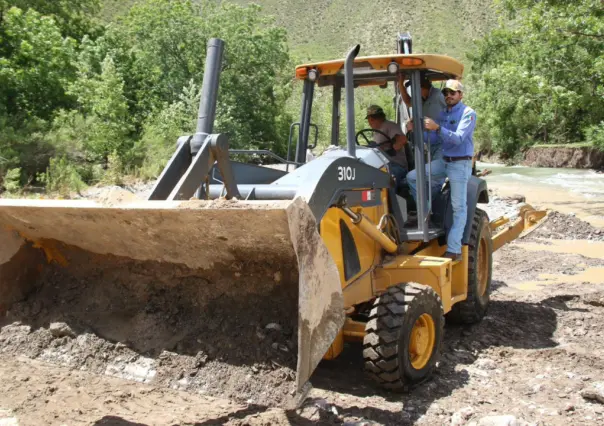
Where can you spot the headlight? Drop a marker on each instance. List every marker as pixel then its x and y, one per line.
pixel 392 67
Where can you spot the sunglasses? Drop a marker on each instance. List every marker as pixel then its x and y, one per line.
pixel 448 92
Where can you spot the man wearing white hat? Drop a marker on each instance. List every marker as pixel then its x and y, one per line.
pixel 455 128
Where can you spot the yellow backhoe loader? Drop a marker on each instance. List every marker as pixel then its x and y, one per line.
pixel 323 250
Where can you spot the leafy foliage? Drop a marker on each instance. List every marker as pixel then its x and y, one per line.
pixel 162 129
pixel 35 65
pixel 541 78
pixel 75 18
pixel 115 100
pixel 167 58
pixel 105 108
pixel 595 135
pixel 62 177
pixel 12 180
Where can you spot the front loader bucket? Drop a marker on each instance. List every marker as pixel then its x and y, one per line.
pixel 247 287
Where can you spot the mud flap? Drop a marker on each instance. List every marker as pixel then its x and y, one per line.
pixel 205 237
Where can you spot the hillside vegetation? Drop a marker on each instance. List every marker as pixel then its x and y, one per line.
pixel 320 29
pixel 540 78
pixel 95 90
pixel 325 29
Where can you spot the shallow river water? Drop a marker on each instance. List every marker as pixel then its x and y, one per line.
pixel 567 190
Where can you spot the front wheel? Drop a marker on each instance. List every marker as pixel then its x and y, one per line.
pixel 404 336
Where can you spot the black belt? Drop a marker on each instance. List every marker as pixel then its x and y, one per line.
pixel 449 159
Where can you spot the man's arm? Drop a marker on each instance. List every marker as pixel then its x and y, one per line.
pixel 399 142
pixel 465 127
pixel 403 90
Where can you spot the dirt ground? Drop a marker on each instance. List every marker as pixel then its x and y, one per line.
pixel 537 357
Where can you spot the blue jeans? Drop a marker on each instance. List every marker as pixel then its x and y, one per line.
pixel 399 173
pixel 459 173
pixel 438 177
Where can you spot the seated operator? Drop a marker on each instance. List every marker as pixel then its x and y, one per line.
pixel 394 148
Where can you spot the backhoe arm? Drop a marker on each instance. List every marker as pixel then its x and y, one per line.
pixel 528 219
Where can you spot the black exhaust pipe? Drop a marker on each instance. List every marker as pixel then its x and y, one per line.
pixel 349 83
pixel 209 93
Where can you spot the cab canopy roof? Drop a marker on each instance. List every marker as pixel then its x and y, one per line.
pixel 374 70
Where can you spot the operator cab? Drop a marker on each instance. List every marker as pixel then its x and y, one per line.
pixel 384 71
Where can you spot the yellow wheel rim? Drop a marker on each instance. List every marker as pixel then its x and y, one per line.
pixel 421 342
pixel 483 266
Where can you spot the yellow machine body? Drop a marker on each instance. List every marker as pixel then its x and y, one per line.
pixel 414 262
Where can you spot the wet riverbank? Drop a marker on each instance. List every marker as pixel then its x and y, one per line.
pixel 582 157
pixel 558 156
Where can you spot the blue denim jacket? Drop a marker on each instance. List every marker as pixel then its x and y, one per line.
pixel 457 130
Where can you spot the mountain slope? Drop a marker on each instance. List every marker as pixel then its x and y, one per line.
pixel 324 29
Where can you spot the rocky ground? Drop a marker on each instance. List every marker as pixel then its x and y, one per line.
pixel 537 358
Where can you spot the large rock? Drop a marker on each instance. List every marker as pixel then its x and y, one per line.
pixel 60 329
pixel 460 417
pixel 7 418
pixel 498 421
pixel 594 393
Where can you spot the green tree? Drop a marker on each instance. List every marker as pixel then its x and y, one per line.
pixel 36 63
pixel 160 48
pixel 24 147
pixel 96 138
pixel 163 128
pixel 540 76
pixel 75 18
pixel 108 103
pixel 103 105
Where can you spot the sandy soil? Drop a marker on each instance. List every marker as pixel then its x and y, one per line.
pixel 537 358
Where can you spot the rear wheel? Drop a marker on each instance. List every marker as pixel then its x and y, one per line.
pixel 480 267
pixel 404 336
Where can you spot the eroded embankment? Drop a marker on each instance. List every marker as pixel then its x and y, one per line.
pixel 567 157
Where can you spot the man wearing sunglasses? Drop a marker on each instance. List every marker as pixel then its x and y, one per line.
pixel 455 128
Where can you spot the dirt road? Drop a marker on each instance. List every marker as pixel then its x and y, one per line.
pixel 537 358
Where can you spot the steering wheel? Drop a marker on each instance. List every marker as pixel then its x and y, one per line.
pixel 371 143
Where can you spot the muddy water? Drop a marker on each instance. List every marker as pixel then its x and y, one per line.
pixel 567 190
pixel 585 272
pixel 588 276
pixel 591 249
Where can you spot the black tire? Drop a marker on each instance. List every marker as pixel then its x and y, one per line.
pixel 475 307
pixel 386 346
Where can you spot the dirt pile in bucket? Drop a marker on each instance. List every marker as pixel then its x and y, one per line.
pixel 230 331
